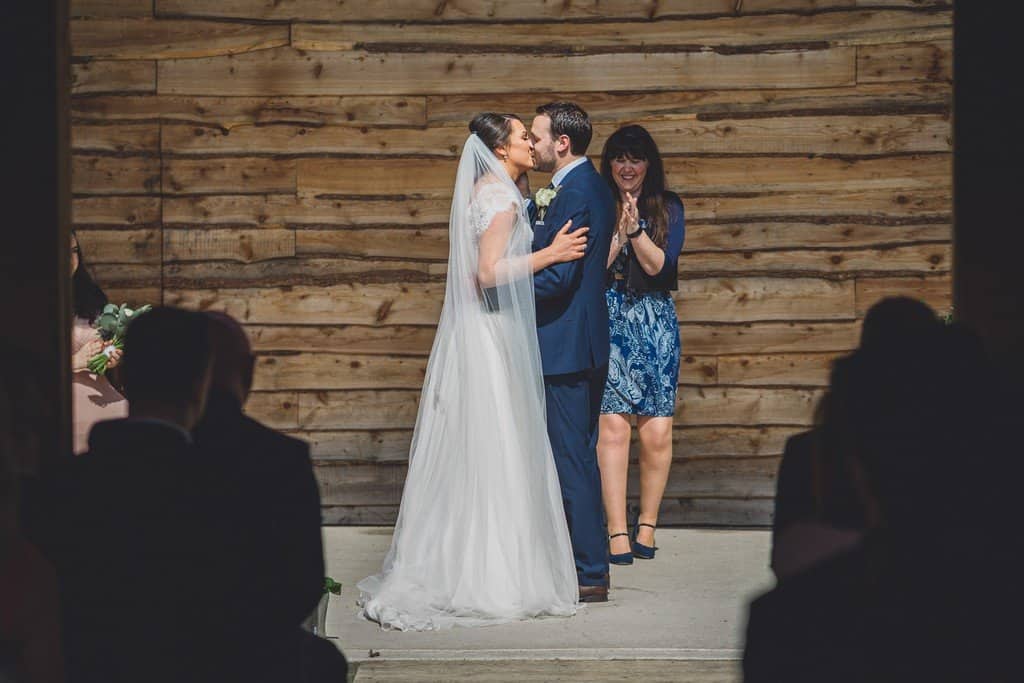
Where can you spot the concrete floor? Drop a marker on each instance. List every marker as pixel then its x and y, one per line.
pixel 688 604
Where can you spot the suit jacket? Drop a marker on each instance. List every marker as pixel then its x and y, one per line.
pixel 270 516
pixel 134 557
pixel 572 315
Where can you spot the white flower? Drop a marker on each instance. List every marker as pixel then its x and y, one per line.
pixel 544 196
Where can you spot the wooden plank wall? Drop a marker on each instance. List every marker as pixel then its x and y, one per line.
pixel 289 161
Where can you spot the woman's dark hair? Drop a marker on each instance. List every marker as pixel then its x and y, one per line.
pixel 89 298
pixel 636 143
pixel 569 119
pixel 493 129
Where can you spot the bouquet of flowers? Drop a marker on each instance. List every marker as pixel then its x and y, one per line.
pixel 112 323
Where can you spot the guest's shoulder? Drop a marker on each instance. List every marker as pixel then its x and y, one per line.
pixel 799 443
pixel 275 441
pixel 672 200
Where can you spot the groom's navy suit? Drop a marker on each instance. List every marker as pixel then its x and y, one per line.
pixel 572 325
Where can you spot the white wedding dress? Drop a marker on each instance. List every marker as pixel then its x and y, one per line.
pixel 481 536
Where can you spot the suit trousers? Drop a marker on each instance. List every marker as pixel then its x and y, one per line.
pixel 573 409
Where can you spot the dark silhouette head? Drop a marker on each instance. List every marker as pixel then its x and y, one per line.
pixel 166 365
pixel 899 321
pixel 233 360
pixel 87 296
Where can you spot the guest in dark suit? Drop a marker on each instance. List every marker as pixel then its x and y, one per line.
pixel 134 557
pixel 270 520
pixel 572 327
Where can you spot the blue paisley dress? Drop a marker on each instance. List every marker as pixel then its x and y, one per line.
pixel 643 367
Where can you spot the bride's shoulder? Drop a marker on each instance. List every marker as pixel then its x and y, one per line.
pixel 490 190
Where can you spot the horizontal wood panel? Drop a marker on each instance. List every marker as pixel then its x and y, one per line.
pixel 800 369
pixel 114 175
pixel 713 512
pixel 382 483
pixel 429 10
pixel 230 112
pixel 246 246
pixel 918 258
pixel 676 135
pixel 847 28
pixel 711 104
pixel 279 410
pixel 113 77
pixel 717 512
pixel 125 275
pixel 289 272
pixel 111 8
pixel 780 337
pixel 115 211
pixel 910 62
pixel 937 292
pixel 395 339
pixel 120 246
pixel 338 371
pixel 745 406
pixel 196 176
pixel 286 71
pixel 430 244
pixel 147 38
pixel 755 299
pixel 767 235
pixel 358 409
pixel 133 296
pixel 864 134
pixel 142 138
pixel 281 210
pixel 435 178
pixel 933 204
pixel 392 445
pixel 358 304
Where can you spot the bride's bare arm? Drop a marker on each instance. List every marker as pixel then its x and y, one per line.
pixel 494 267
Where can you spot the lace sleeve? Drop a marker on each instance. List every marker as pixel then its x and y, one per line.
pixel 489 201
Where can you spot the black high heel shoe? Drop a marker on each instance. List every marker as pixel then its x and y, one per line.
pixel 621 558
pixel 641 551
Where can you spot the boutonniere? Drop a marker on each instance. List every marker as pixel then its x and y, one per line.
pixel 543 199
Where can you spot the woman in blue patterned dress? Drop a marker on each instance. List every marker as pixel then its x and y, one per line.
pixel 643 369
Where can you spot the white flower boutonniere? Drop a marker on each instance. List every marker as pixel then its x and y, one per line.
pixel 543 199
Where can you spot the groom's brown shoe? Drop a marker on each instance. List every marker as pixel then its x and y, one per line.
pixel 593 593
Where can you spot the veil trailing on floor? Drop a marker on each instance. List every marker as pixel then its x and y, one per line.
pixel 481 535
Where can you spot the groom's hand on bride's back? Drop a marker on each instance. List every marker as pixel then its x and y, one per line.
pixel 569 246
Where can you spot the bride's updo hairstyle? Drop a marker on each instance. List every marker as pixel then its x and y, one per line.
pixel 493 129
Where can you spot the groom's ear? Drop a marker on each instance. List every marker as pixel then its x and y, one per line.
pixel 563 145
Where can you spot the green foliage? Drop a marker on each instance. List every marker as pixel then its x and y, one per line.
pixel 112 323
pixel 331 586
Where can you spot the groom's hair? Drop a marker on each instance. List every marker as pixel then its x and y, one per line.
pixel 568 118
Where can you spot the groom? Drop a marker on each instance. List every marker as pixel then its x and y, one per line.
pixel 572 324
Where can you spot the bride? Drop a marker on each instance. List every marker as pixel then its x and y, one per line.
pixel 481 536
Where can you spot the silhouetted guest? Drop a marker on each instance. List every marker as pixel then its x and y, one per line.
pixel 804 528
pixel 920 596
pixel 29 613
pixel 270 521
pixel 132 545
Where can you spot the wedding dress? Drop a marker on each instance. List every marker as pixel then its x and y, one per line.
pixel 481 536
